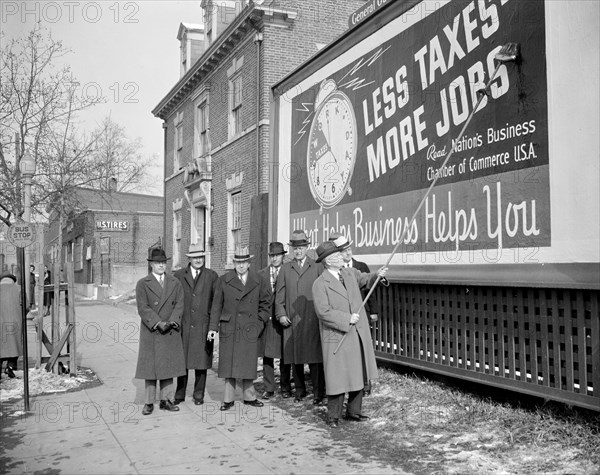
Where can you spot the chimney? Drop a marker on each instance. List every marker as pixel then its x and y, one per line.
pixel 112 185
pixel 191 45
pixel 218 15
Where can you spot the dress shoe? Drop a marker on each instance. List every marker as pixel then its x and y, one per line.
pixel 334 423
pixel 299 396
pixel 148 408
pixel 226 406
pixel 9 372
pixel 268 395
pixel 198 402
pixel 286 394
pixel 255 403
pixel 178 401
pixel 167 405
pixel 317 401
pixel 356 417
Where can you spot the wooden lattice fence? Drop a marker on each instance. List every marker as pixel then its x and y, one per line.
pixel 543 342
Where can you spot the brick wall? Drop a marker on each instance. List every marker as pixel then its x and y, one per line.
pixel 282 50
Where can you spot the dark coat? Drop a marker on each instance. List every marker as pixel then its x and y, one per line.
pixel 241 312
pixel 160 356
pixel 334 306
pixel 198 298
pixel 11 342
pixel 271 339
pixel 293 298
pixel 48 296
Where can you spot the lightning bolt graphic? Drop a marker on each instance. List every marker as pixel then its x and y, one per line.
pixel 306 121
pixel 355 83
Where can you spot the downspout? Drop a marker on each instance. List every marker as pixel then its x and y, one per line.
pixel 164 126
pixel 258 37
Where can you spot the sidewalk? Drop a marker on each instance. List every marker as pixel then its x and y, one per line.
pixel 101 430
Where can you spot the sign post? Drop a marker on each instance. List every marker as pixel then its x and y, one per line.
pixel 22 235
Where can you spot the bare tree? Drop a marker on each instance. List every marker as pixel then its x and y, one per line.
pixel 38 107
pixel 118 158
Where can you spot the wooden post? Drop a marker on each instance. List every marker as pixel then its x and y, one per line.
pixel 40 305
pixel 70 316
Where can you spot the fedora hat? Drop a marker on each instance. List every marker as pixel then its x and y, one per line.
pixel 298 238
pixel 276 248
pixel 340 241
pixel 9 275
pixel 196 250
pixel 242 254
pixel 157 254
pixel 326 249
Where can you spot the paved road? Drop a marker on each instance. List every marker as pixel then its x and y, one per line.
pixel 101 429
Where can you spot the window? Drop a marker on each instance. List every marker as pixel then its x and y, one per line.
pixel 235 220
pixel 78 254
pixel 209 17
pixel 178 140
pixel 202 129
pixel 234 185
pixel 199 226
pixel 184 56
pixel 236 105
pixel 176 237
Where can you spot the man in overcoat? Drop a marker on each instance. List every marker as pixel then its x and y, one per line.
pixel 160 302
pixel 345 248
pixel 10 323
pixel 240 310
pixel 296 313
pixel 338 303
pixel 199 285
pixel 271 339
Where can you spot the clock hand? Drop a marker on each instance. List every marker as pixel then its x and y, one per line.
pixel 327 139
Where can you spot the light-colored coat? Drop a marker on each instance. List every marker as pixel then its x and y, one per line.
pixel 10 320
pixel 198 297
pixel 241 312
pixel 160 356
pixel 334 306
pixel 293 298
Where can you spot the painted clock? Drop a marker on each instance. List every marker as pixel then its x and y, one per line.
pixel 331 153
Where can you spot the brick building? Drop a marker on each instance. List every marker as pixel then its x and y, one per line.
pixel 216 119
pixel 107 237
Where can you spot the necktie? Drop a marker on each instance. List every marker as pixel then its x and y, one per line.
pixel 274 272
pixel 341 279
pixel 243 278
pixel 162 281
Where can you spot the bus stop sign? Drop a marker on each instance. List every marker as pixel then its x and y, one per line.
pixel 22 234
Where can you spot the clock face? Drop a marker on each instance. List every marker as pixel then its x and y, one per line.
pixel 331 149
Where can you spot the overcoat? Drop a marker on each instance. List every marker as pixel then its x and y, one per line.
pixel 241 312
pixel 334 306
pixel 10 320
pixel 271 339
pixel 160 356
pixel 198 297
pixel 293 298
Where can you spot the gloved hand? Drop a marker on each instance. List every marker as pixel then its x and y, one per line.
pixel 163 327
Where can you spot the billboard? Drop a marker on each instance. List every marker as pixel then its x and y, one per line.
pixel 367 139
